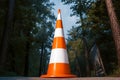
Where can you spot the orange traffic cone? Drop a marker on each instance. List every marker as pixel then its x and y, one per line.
pixel 59 64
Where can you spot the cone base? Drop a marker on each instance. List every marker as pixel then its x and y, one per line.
pixel 58 76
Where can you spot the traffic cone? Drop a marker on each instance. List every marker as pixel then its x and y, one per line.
pixel 59 64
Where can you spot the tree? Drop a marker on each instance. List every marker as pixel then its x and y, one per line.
pixel 95 27
pixel 6 32
pixel 114 26
pixel 80 9
pixel 99 30
pixel 32 19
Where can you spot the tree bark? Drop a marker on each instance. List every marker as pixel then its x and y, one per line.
pixel 5 36
pixel 86 58
pixel 41 59
pixel 100 59
pixel 77 64
pixel 26 70
pixel 85 44
pixel 114 26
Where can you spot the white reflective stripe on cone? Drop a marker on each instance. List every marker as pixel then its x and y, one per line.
pixel 59 32
pixel 59 17
pixel 59 55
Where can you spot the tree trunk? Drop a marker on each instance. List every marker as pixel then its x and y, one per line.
pixel 77 64
pixel 44 62
pixel 100 59
pixel 86 58
pixel 27 57
pixel 85 47
pixel 13 62
pixel 115 27
pixel 6 32
pixel 41 59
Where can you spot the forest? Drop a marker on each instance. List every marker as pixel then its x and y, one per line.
pixel 27 30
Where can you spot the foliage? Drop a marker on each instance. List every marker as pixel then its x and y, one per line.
pixel 116 72
pixel 32 27
pixel 94 25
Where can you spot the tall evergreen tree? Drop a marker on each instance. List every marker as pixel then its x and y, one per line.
pixel 95 28
pixel 6 32
pixel 114 26
pixel 32 26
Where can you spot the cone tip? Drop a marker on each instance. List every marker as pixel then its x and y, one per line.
pixel 59 11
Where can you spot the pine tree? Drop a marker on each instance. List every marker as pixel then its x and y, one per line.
pixel 114 26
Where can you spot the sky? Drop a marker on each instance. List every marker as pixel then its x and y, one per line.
pixel 67 20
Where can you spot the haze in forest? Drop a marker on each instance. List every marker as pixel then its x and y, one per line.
pixel 92 32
